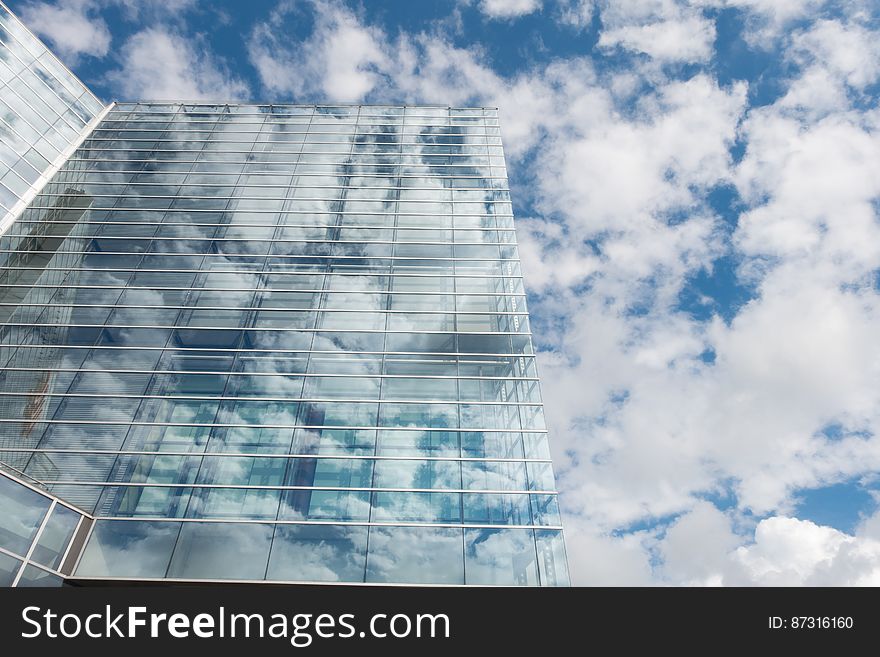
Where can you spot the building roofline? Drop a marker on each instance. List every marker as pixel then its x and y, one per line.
pixel 282 104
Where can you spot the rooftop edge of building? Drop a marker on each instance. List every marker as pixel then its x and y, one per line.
pixel 222 103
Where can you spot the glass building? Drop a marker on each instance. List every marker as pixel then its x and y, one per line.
pixel 269 342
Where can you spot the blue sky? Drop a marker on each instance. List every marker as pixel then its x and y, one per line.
pixel 696 186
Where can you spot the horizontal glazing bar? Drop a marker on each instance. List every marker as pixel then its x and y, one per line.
pixel 174 127
pixel 495 191
pixel 269 329
pixel 347 523
pixel 362 489
pixel 278 455
pixel 241 197
pixel 257 240
pixel 335 174
pixel 301 174
pixel 258 400
pixel 261 256
pixel 261 140
pixel 279 350
pixel 160 288
pixel 140 423
pixel 340 213
pixel 284 226
pixel 340 156
pixel 273 309
pixel 330 110
pixel 272 118
pixel 343 124
pixel 273 272
pixel 248 373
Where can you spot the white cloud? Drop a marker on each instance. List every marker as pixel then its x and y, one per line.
pixel 687 40
pixel 597 559
pixel 697 546
pixel 72 28
pixel 509 8
pixel 340 61
pixel 792 552
pixel 139 10
pixel 848 50
pixel 667 30
pixel 575 13
pixel 700 548
pixel 768 19
pixel 159 64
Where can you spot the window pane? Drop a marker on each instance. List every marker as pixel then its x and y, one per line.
pixel 416 555
pixel 545 510
pixel 496 509
pixel 131 549
pixel 551 558
pixel 37 577
pixel 500 557
pixel 417 507
pixel 318 553
pixel 221 551
pixel 23 510
pixel 8 569
pixel 55 537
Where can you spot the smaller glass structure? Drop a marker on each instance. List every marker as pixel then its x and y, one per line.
pixel 40 535
pixel 44 110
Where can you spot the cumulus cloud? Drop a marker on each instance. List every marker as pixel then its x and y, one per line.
pixel 792 552
pixel 767 20
pixel 701 549
pixel 73 27
pixel 686 40
pixel 340 61
pixel 160 64
pixel 666 30
pixel 509 8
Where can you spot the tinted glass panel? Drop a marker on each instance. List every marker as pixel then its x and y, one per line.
pixel 23 510
pixel 416 555
pixel 318 553
pixel 221 551
pixel 130 549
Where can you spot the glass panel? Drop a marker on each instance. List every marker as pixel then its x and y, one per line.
pixel 129 549
pixel 415 555
pixel 37 577
pixel 221 551
pixel 496 509
pixel 417 507
pixel 417 474
pixel 552 564
pixel 23 511
pixel 318 553
pixel 55 537
pixel 8 569
pixel 545 510
pixel 494 475
pixel 500 557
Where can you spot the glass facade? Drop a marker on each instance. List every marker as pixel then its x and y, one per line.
pixel 281 342
pixel 44 110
